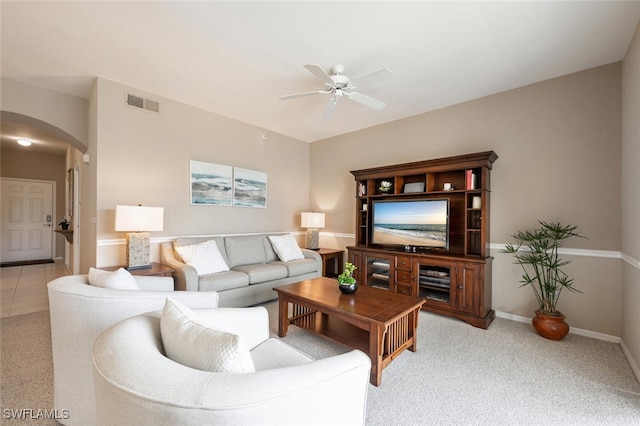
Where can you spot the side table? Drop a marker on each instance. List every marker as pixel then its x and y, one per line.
pixel 332 262
pixel 156 270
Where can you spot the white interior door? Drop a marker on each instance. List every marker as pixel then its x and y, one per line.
pixel 26 220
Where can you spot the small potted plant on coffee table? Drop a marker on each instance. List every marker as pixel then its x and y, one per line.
pixel 346 281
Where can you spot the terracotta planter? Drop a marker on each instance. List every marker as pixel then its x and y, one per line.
pixel 550 326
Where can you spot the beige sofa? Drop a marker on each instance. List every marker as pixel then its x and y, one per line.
pixel 79 313
pixel 135 383
pixel 254 269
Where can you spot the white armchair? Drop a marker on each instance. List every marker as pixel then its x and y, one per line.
pixel 135 383
pixel 79 313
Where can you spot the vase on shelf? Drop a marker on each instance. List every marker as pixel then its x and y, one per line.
pixel 385 186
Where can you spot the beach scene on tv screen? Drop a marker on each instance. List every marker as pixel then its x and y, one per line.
pixel 415 223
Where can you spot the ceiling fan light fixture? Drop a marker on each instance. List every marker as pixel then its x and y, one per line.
pixel 339 85
pixel 24 142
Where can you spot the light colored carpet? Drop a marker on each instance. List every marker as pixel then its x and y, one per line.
pixel 460 375
pixel 506 375
pixel 26 367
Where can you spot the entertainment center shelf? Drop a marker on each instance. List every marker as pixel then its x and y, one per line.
pixel 443 259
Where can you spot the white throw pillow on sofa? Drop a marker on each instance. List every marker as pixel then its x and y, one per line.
pixel 286 247
pixel 196 345
pixel 120 279
pixel 204 257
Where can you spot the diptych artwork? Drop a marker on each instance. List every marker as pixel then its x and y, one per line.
pixel 220 185
pixel 249 188
pixel 211 183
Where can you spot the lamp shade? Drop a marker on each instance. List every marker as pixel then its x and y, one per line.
pixel 139 218
pixel 312 220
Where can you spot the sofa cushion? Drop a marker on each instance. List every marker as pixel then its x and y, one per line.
pixel 286 247
pixel 260 273
pixel 120 279
pixel 298 267
pixel 194 344
pixel 204 257
pixel 274 353
pixel 269 252
pixel 223 281
pixel 244 250
pixel 187 241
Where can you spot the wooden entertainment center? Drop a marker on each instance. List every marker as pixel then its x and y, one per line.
pixel 452 272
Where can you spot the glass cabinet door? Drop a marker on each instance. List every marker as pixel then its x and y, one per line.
pixel 436 283
pixel 378 271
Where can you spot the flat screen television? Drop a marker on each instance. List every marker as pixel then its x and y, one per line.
pixel 411 223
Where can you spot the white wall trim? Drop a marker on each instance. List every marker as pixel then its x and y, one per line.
pixel 158 240
pixel 573 330
pixel 609 254
pixel 632 362
pixel 572 252
pixel 338 235
pixel 631 260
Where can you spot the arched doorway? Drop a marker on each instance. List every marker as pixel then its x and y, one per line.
pixel 50 157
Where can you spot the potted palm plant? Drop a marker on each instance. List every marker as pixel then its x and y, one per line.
pixel 536 251
pixel 346 281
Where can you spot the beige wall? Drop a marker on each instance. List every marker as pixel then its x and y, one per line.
pixel 143 158
pixel 66 112
pixel 24 164
pixel 631 203
pixel 559 151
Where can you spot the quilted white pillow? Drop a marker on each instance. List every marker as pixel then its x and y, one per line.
pixel 120 279
pixel 286 247
pixel 204 257
pixel 193 344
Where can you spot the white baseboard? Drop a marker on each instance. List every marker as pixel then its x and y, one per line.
pixel 573 330
pixel 632 362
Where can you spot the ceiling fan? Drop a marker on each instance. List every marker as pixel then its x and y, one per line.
pixel 338 85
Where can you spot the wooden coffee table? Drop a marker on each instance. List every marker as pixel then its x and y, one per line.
pixel 378 322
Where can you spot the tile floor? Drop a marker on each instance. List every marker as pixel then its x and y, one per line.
pixel 24 288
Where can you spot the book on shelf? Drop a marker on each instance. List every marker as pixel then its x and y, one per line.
pixel 362 190
pixel 380 264
pixel 470 179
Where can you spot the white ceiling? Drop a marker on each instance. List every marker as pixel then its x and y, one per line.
pixel 237 58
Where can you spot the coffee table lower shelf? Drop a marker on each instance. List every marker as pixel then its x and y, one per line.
pixel 382 341
pixel 333 328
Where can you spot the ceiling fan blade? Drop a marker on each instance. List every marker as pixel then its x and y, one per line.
pixel 319 72
pixel 375 77
pixel 366 100
pixel 301 95
pixel 328 109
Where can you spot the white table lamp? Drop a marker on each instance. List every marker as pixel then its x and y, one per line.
pixel 137 221
pixel 312 221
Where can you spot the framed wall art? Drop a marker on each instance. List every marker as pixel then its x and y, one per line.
pixel 211 184
pixel 249 188
pixel 70 189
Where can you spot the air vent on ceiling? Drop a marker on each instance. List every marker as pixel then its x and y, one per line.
pixel 140 102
